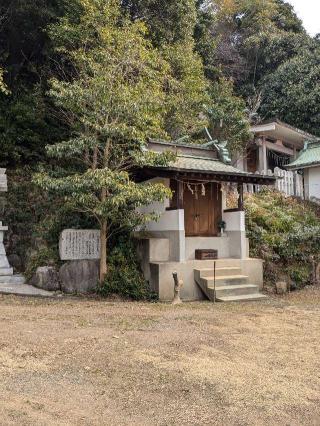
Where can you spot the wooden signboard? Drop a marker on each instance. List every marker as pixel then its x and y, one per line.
pixel 206 254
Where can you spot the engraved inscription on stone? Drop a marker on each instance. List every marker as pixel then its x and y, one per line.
pixel 79 244
pixel 3 180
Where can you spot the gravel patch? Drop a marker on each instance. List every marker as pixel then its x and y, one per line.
pixel 91 362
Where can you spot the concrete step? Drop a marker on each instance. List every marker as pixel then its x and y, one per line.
pixel 6 271
pixel 226 280
pixel 227 270
pixel 25 290
pixel 242 298
pixel 12 279
pixel 230 284
pixel 236 290
pixel 225 263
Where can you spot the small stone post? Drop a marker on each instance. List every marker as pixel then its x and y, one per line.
pixel 177 286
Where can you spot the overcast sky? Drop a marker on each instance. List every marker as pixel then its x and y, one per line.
pixel 309 12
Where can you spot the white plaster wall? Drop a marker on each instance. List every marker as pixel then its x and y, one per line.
pixel 312 182
pixel 159 249
pixel 217 243
pixel 169 220
pixel 235 221
pixel 158 207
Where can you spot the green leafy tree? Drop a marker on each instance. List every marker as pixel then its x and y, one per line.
pixel 228 117
pixel 26 115
pixel 113 102
pixel 169 21
pixel 186 90
pixel 171 26
pixel 292 92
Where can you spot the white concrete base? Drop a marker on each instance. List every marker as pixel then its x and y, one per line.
pixel 161 280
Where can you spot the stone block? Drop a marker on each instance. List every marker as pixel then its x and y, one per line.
pixel 79 244
pixel 159 249
pixel 79 276
pixel 46 278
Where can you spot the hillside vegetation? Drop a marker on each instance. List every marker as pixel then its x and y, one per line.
pixel 285 233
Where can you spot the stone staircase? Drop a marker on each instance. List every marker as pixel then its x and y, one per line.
pixel 231 285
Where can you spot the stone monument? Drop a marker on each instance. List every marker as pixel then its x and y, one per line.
pixel 6 272
pixel 81 249
pixel 79 244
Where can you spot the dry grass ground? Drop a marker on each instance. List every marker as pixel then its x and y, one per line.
pixel 87 362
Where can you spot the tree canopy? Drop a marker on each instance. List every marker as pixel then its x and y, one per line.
pixel 205 43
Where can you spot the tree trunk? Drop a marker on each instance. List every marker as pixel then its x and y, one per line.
pixel 103 251
pixel 104 225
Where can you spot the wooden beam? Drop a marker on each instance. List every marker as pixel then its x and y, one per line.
pixel 279 148
pixel 182 175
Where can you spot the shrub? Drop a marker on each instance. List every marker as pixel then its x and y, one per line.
pixel 124 276
pixel 42 257
pixel 285 233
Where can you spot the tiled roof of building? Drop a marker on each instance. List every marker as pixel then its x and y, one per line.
pixel 192 159
pixel 307 135
pixel 188 162
pixel 309 156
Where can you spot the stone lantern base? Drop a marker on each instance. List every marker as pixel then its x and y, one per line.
pixel 6 272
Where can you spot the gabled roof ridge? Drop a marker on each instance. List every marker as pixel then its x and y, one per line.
pixel 182 144
pixel 198 157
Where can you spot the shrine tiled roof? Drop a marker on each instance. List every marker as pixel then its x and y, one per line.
pixel 309 156
pixel 193 166
pixel 196 164
pixel 202 161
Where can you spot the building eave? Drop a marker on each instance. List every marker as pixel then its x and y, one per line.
pixel 174 172
pixel 303 166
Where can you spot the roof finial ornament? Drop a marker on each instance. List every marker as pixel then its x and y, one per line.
pixel 221 147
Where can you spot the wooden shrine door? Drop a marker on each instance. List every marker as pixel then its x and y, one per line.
pixel 202 209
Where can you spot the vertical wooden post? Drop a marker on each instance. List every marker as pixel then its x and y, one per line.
pixel 294 154
pixel 240 199
pixel 179 195
pixel 264 154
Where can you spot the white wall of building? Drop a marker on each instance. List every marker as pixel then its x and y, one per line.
pixel 235 221
pixel 312 182
pixel 216 243
pixel 169 220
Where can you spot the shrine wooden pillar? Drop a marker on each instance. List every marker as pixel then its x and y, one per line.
pixel 176 187
pixel 240 199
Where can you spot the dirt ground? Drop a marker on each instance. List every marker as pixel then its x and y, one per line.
pixel 89 362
